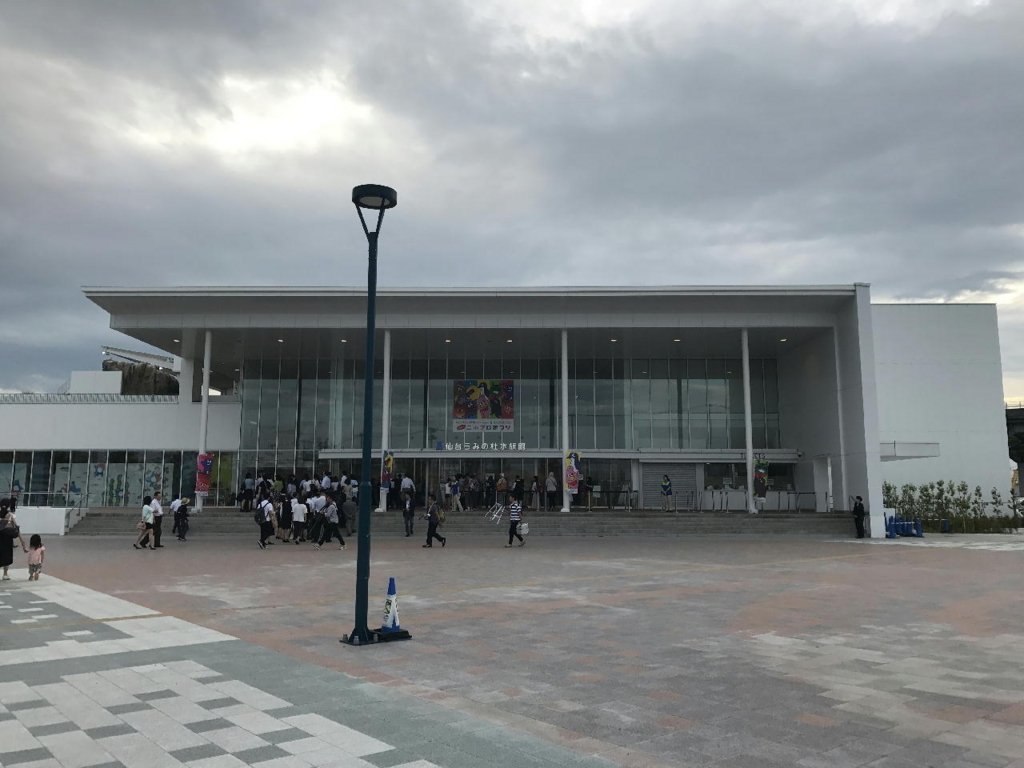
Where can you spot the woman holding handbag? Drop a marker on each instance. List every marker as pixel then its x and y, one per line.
pixel 9 531
pixel 145 525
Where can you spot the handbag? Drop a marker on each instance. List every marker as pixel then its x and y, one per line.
pixel 140 526
pixel 9 530
pixel 524 528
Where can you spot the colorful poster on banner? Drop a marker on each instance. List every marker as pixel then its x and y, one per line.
pixel 572 471
pixel 760 478
pixel 204 467
pixel 484 405
pixel 387 470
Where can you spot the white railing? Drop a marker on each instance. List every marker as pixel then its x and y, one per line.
pixel 52 398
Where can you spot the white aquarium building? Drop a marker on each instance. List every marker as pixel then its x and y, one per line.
pixel 813 390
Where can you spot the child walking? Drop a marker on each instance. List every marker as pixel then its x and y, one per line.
pixel 36 551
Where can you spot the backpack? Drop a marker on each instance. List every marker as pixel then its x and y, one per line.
pixel 259 516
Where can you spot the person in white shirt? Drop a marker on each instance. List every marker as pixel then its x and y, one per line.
pixel 299 511
pixel 408 486
pixel 175 506
pixel 306 485
pixel 325 482
pixel 158 519
pixel 266 521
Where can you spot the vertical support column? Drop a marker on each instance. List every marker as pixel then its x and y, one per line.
pixel 566 496
pixel 204 408
pixel 842 433
pixel 748 421
pixel 385 412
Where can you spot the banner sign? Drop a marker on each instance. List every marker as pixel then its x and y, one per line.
pixel 572 471
pixel 204 466
pixel 483 405
pixel 760 478
pixel 387 470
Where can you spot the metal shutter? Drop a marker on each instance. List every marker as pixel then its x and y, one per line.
pixel 684 484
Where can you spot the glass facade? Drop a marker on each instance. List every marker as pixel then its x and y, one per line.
pixel 670 404
pixel 109 478
pixel 291 409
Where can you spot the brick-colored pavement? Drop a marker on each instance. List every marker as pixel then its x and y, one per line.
pixel 706 651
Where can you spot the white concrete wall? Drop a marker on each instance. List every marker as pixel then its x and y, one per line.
pixel 855 361
pixel 117 426
pixel 808 410
pixel 95 382
pixel 41 520
pixel 940 380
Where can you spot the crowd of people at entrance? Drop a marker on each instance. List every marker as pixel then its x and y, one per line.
pixel 321 511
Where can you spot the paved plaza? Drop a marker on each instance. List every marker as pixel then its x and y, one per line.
pixel 711 651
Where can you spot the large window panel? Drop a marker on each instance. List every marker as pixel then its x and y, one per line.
pixel 78 478
pixel 417 404
pixel 6 473
pixel 640 386
pixel 134 480
pixel 306 417
pixel 288 412
pixel 662 425
pixel 250 393
pixel 60 476
pixel 270 388
pixel 115 495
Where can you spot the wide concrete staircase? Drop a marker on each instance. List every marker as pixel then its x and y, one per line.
pixel 112 521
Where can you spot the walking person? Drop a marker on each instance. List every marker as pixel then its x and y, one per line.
pixel 181 518
pixel 408 486
pixel 9 531
pixel 175 506
pixel 515 517
pixel 457 494
pixel 35 551
pixel 408 512
pixel 501 487
pixel 146 533
pixel 858 517
pixel 158 520
pixel 330 525
pixel 284 518
pixel 265 517
pixel 551 485
pixel 433 518
pixel 349 513
pixel 666 493
pixel 248 492
pixel 299 511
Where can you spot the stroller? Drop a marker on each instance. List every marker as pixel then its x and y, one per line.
pixel 495 513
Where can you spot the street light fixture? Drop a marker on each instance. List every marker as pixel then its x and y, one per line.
pixel 370 197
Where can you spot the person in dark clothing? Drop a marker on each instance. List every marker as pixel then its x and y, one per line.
pixel 350 511
pixel 331 519
pixel 858 517
pixel 433 518
pixel 181 519
pixel 408 512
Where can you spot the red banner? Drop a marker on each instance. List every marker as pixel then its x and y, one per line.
pixel 204 467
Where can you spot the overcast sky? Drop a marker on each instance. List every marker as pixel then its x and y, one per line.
pixel 532 143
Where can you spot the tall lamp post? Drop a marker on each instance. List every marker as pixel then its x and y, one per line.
pixel 370 197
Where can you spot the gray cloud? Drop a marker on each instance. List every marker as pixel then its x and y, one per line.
pixel 137 149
